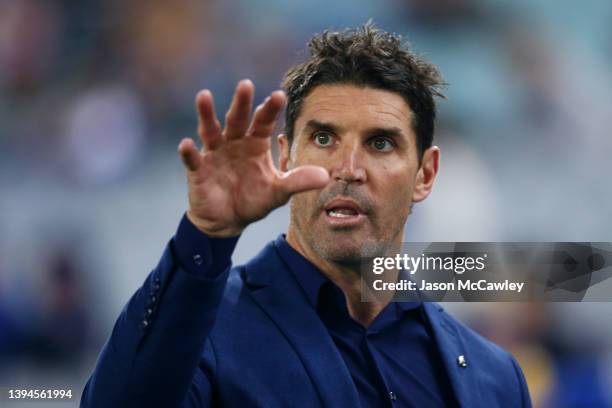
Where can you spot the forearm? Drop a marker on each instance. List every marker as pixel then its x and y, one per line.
pixel 152 354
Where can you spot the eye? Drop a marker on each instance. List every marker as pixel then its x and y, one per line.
pixel 381 144
pixel 323 139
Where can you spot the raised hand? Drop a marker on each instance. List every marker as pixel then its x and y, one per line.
pixel 232 181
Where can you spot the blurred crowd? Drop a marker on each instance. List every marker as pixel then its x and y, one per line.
pixel 95 95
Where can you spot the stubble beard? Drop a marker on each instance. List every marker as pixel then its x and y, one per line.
pixel 342 246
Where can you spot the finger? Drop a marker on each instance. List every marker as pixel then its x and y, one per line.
pixel 237 117
pixel 209 128
pixel 190 155
pixel 265 115
pixel 300 179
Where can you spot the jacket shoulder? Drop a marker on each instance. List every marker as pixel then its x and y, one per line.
pixel 498 367
pixel 472 339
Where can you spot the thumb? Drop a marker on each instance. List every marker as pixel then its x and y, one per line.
pixel 302 178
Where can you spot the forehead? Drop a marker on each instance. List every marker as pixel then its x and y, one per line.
pixel 355 106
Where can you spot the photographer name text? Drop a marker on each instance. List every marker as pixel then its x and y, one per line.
pixel 480 285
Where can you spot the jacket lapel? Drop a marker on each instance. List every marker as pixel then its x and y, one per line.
pixel 276 291
pixel 463 379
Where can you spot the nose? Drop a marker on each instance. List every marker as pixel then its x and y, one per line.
pixel 347 163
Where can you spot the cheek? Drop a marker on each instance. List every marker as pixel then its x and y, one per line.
pixel 305 203
pixel 394 192
pixel 311 156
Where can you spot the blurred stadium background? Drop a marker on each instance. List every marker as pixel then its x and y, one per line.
pixel 95 95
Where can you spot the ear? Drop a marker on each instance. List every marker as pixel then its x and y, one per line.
pixel 427 174
pixel 283 148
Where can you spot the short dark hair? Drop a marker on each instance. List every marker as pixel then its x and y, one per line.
pixel 370 57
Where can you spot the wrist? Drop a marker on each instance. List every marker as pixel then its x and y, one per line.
pixel 212 230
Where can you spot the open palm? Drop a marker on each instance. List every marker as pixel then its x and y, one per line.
pixel 232 180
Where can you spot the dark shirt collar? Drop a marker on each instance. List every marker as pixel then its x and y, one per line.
pixel 311 279
pixel 307 275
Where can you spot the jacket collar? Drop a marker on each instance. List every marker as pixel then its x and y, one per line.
pixel 276 291
pixel 450 346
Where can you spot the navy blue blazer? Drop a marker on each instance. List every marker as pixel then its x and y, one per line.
pixel 249 338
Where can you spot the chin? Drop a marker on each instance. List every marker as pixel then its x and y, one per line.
pixel 343 255
pixel 344 249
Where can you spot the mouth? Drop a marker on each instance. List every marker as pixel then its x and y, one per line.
pixel 343 213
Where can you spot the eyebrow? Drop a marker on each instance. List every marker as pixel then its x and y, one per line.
pixel 325 126
pixel 390 132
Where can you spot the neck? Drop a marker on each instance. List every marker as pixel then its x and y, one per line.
pixel 346 277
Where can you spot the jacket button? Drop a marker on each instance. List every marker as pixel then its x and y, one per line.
pixel 392 396
pixel 145 323
pixel 197 259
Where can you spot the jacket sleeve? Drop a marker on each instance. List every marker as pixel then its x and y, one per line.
pixel 152 355
pixel 524 391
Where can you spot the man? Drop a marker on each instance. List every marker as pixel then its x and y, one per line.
pixel 289 329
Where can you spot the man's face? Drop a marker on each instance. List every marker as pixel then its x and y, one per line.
pixel 363 137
